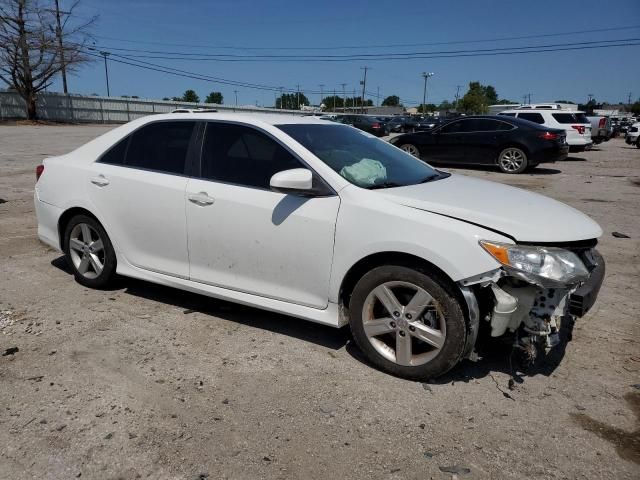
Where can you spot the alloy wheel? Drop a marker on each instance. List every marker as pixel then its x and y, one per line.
pixel 404 323
pixel 411 149
pixel 511 160
pixel 86 249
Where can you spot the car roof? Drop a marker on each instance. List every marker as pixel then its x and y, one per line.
pixel 540 110
pixel 248 117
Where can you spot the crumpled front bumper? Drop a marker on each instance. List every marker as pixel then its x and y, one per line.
pixel 583 298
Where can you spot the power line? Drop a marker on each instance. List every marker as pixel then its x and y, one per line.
pixel 158 54
pixel 347 47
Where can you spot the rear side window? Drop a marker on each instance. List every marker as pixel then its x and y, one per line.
pixel 243 156
pixel 160 146
pixel 532 117
pixel 115 156
pixel 508 114
pixel 570 117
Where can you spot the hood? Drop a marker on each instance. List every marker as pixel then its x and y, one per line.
pixel 517 213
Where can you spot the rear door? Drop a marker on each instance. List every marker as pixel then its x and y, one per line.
pixel 482 139
pixel 138 188
pixel 245 237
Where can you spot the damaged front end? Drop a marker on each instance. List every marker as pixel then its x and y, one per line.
pixel 536 288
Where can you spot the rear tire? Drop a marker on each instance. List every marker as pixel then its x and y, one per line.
pixel 89 252
pixel 407 323
pixel 512 160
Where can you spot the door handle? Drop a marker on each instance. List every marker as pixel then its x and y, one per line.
pixel 201 199
pixel 100 181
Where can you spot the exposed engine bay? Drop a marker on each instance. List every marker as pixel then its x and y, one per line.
pixel 531 309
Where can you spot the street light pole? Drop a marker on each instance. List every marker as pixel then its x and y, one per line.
pixel 321 95
pixel 424 93
pixel 344 97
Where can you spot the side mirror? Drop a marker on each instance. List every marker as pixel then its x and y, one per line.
pixel 295 181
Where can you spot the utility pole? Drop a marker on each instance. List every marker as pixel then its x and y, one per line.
pixel 298 95
pixel 378 96
pixel 424 92
pixel 364 85
pixel 63 68
pixel 236 94
pixel 321 94
pixel 629 99
pixel 589 97
pixel 524 99
pixel 344 97
pixel 334 100
pixel 281 98
pixel 106 69
pixel 529 99
pixel 458 87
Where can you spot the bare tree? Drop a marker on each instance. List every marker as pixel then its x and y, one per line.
pixel 33 48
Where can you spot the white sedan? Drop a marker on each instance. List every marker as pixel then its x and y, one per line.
pixel 326 223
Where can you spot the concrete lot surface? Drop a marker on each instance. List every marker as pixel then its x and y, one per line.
pixel 143 381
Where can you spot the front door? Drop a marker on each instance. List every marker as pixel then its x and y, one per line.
pixel 245 237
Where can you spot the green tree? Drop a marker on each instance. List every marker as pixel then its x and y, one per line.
pixel 491 94
pixel 292 101
pixel 332 102
pixel 190 96
pixel 475 100
pixel 429 107
pixel 565 101
pixel 635 108
pixel 391 101
pixel 446 106
pixel 214 97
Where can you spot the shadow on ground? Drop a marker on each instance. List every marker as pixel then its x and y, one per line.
pixel 495 355
pixel 535 171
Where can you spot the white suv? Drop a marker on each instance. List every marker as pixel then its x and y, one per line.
pixel 323 222
pixel 574 122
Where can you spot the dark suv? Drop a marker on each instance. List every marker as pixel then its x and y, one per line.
pixel 510 143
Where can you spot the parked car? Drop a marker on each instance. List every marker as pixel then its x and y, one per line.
pixel 601 129
pixel 365 122
pixel 511 144
pixel 427 123
pixel 633 135
pixel 315 220
pixel 575 123
pixel 402 124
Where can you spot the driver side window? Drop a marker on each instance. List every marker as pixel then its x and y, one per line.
pixel 453 127
pixel 243 156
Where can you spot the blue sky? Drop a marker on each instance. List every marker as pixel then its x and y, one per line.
pixel 205 27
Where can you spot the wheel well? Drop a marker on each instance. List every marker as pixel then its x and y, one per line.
pixel 370 262
pixel 514 145
pixel 64 219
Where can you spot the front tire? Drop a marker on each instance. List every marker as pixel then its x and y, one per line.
pixel 89 252
pixel 512 160
pixel 407 323
pixel 411 149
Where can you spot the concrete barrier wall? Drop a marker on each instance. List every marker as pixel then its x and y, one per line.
pixel 58 107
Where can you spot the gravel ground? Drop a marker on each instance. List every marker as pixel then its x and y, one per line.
pixel 143 381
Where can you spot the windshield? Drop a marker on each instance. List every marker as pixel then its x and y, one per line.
pixel 361 158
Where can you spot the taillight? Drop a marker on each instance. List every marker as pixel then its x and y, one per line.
pixel 602 123
pixel 39 171
pixel 549 136
pixel 579 128
pixel 375 125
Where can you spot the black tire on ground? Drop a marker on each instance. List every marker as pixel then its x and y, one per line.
pixel 456 331
pixel 518 151
pixel 109 257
